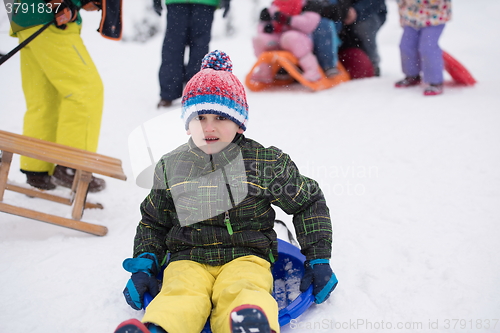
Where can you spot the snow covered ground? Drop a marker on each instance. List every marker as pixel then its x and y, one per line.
pixel 413 184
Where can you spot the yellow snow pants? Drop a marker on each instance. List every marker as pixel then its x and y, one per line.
pixel 63 91
pixel 192 292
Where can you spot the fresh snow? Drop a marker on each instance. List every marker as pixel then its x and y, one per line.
pixel 412 182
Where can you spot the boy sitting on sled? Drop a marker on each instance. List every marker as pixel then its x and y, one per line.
pixel 210 209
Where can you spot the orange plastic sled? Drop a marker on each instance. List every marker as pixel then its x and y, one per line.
pixel 285 60
pixel 457 71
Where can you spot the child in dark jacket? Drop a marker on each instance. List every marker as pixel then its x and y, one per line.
pixel 210 209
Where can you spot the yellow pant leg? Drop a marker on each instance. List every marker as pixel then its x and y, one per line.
pixel 75 104
pixel 40 106
pixel 183 304
pixel 245 280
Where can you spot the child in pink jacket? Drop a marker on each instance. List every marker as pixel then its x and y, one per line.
pixel 283 26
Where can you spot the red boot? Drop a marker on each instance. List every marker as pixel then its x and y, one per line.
pixel 249 318
pixel 132 326
pixel 408 81
pixel 433 90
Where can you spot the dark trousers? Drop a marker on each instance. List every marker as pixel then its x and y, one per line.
pixel 188 25
pixel 363 35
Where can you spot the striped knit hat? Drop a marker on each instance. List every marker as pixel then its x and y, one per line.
pixel 215 90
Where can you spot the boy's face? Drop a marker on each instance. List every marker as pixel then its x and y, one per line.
pixel 212 133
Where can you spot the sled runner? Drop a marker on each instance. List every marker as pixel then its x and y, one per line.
pixel 285 60
pixel 287 272
pixel 457 71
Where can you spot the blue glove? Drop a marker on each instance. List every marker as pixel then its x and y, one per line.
pixel 157 6
pixel 319 273
pixel 144 269
pixel 224 4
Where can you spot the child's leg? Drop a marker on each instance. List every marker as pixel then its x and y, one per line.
pixel 171 74
pixel 298 43
pixel 42 101
pixel 64 92
pixel 202 17
pixel 309 65
pixel 265 42
pixel 261 43
pixel 245 280
pixel 431 55
pixel 323 44
pixel 366 33
pixel 301 46
pixel 183 304
pixel 410 60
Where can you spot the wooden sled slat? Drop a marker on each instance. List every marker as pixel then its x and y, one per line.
pixel 90 228
pixel 48 196
pixel 85 164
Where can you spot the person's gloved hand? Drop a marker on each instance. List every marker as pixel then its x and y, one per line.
pixel 144 269
pixel 157 6
pixel 225 4
pixel 138 284
pixel 269 28
pixel 281 18
pixel 319 273
pixel 64 12
pixel 265 15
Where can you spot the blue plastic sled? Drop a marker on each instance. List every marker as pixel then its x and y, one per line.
pixel 287 272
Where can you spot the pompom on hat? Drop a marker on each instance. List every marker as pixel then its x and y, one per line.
pixel 215 90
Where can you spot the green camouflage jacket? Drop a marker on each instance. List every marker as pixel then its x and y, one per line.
pixel 214 208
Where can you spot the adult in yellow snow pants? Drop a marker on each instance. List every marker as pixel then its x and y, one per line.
pixel 63 91
pixel 192 291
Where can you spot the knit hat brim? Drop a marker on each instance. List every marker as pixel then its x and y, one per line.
pixel 214 104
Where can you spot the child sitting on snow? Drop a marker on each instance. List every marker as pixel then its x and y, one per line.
pixel 210 208
pixel 283 26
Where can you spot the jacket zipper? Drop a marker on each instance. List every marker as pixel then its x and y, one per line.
pixel 227 221
pixel 271 256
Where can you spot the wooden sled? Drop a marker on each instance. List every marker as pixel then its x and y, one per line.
pixel 84 162
pixel 457 71
pixel 285 60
